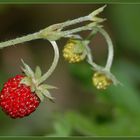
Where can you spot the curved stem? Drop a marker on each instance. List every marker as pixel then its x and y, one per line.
pixel 106 69
pixel 89 54
pixel 54 63
pixel 110 48
pixel 90 60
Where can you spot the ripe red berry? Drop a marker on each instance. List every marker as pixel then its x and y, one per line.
pixel 16 99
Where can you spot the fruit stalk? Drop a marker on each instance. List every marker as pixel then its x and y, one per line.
pixel 110 48
pixel 54 63
pixel 18 40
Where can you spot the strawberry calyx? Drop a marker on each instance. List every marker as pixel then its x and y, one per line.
pixel 31 79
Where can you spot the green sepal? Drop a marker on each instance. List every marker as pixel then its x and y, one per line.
pixel 52 32
pixel 40 95
pixel 38 72
pixel 96 12
pixel 80 47
pixel 46 86
pixel 27 70
pixel 84 54
pixel 47 94
pixel 26 81
pixel 31 79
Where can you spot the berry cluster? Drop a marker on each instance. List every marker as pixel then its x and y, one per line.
pixel 75 51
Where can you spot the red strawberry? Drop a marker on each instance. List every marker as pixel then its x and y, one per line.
pixel 21 95
pixel 16 99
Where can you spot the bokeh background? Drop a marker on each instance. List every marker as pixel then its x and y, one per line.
pixel 79 109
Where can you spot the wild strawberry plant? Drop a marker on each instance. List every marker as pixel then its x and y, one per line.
pixel 22 94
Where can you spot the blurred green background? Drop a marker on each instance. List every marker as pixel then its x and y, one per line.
pixel 79 109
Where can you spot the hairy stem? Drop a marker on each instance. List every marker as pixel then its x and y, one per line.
pixel 18 40
pixel 54 63
pixel 90 60
pixel 75 21
pixel 110 48
pixel 79 29
pixel 91 17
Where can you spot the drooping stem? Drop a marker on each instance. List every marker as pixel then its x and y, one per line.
pixel 54 63
pixel 106 69
pixel 110 48
pixel 89 53
pixel 90 60
pixel 18 40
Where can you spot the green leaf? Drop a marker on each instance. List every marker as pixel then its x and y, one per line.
pixel 126 21
pixel 62 127
pixel 126 96
pixel 81 123
pixel 82 73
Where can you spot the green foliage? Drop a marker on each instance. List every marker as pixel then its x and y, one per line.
pixel 126 21
pixel 83 73
pixel 126 111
